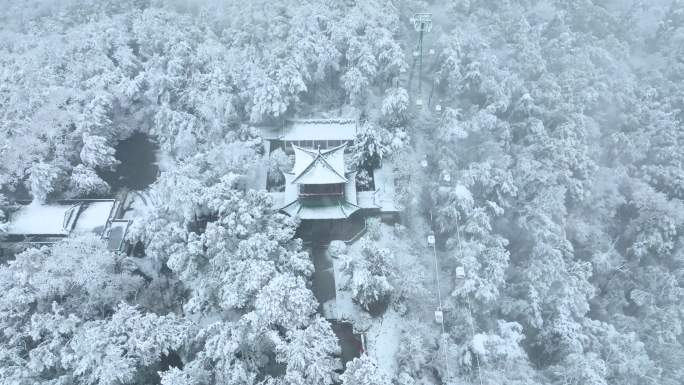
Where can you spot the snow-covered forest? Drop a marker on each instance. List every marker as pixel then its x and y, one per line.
pixel 538 155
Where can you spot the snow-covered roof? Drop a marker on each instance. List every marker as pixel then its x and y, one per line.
pixel 319 166
pixel 93 216
pixel 312 129
pixel 320 208
pixel 320 129
pixel 61 218
pixel 43 219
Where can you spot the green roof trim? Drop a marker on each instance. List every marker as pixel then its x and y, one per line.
pixel 320 208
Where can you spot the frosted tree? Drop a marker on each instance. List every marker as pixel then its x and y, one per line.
pixel 364 371
pixel 113 351
pixel 395 106
pixel 310 354
pixel 180 191
pixel 581 369
pixel 59 300
pixel 85 181
pixel 480 253
pixel 160 236
pixel 96 116
pixel 560 135
pixel 370 274
pixel 246 247
pixel 176 129
pixel 499 352
pixel 285 302
pixel 44 179
pixel 279 163
pixel 526 137
pixel 97 153
pixel 356 84
pixel 370 146
pixel 417 348
pixel 625 357
pixel 80 271
pixel 4 211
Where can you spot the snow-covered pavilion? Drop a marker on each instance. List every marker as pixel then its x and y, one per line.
pixel 320 186
pixel 323 133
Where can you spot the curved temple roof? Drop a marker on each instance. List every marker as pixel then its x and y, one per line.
pixel 319 166
pixel 320 208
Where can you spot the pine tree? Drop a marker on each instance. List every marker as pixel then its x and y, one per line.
pixel 364 371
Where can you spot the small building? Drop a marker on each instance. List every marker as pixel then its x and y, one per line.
pixel 311 133
pixel 36 223
pixel 322 185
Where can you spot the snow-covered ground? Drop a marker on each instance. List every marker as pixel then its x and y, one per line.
pixel 382 340
pixel 345 309
pixel 383 333
pixel 385 192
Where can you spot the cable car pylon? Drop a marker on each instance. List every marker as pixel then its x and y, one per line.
pixel 422 23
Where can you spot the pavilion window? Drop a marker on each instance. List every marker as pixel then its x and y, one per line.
pixel 321 189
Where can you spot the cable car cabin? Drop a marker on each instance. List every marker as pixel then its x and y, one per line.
pixel 460 272
pixel 439 316
pixel 431 239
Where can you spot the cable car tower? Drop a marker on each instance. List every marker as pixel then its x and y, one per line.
pixel 422 23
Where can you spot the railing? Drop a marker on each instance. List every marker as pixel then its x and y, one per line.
pixel 321 195
pixel 358 235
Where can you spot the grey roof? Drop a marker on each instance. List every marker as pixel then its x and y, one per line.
pixel 312 129
pixel 319 166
